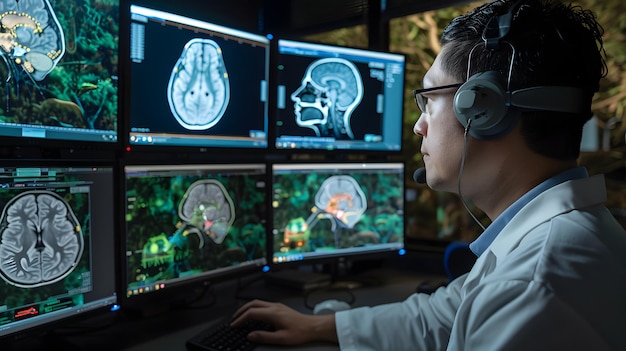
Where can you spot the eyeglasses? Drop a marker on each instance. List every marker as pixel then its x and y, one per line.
pixel 421 100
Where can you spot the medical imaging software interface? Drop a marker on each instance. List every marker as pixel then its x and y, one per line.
pixel 196 84
pixel 56 244
pixel 190 222
pixel 332 97
pixel 332 210
pixel 59 70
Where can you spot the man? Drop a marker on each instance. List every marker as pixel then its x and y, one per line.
pixel 551 268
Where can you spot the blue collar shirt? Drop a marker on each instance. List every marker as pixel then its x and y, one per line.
pixel 481 244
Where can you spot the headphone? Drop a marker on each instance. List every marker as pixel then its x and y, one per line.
pixel 485 102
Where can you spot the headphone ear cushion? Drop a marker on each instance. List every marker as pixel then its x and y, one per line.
pixel 483 99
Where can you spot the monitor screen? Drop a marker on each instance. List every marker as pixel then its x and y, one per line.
pixel 188 224
pixel 324 211
pixel 196 84
pixel 60 71
pixel 57 245
pixel 331 97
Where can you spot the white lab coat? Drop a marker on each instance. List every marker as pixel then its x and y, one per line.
pixel 553 279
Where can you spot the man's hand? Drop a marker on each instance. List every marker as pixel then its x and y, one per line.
pixel 290 326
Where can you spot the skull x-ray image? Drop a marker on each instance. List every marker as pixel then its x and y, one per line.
pixel 330 91
pixel 199 90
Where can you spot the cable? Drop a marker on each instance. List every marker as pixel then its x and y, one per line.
pixel 467 128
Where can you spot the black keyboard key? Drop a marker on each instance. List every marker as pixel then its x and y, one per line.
pixel 223 337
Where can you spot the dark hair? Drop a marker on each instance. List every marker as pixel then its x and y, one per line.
pixel 555 44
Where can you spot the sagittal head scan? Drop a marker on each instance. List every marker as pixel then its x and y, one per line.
pixel 331 89
pixel 32 38
pixel 199 91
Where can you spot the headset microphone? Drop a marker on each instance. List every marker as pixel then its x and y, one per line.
pixel 419 176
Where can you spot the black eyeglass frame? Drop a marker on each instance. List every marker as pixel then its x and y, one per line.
pixel 420 100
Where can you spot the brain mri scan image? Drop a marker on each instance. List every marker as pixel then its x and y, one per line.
pixel 33 37
pixel 41 239
pixel 199 90
pixel 331 89
pixel 208 207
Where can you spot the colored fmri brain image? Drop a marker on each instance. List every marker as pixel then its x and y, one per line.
pixel 59 63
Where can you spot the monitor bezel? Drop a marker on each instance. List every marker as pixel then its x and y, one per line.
pixel 337 51
pixel 101 308
pixel 37 147
pixel 344 255
pixel 132 149
pixel 179 291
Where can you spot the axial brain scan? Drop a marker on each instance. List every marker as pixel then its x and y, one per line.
pixel 331 89
pixel 199 91
pixel 41 239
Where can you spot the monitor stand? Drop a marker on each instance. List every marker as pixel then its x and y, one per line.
pixel 338 274
pixel 299 279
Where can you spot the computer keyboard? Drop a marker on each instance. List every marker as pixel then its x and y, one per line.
pixel 223 337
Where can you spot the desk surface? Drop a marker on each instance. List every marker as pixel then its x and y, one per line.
pixel 169 330
pixel 391 288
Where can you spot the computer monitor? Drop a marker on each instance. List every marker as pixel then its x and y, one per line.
pixel 333 97
pixel 60 72
pixel 57 245
pixel 190 226
pixel 196 85
pixel 326 211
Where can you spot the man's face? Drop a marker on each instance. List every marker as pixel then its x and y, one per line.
pixel 442 134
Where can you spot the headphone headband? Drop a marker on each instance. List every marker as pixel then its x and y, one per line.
pixel 485 101
pixel 549 98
